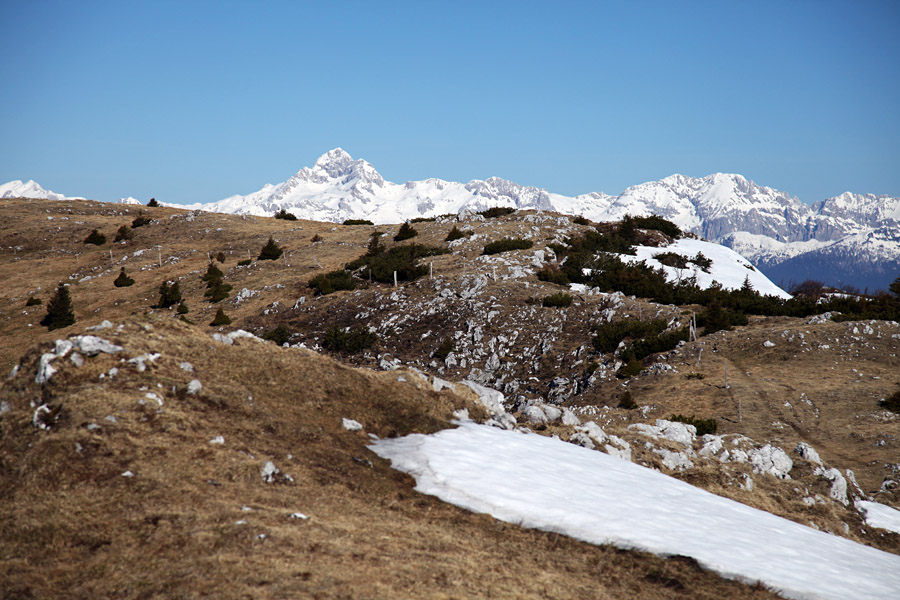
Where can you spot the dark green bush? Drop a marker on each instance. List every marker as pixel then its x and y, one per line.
pixel 553 274
pixel 153 203
pixel 579 220
pixel 212 275
pixel 280 335
pixel 349 342
pixel 657 223
pixel 497 211
pixel 220 257
pixel 630 369
pixel 244 263
pixel 655 343
pixel 672 259
pixel 444 349
pixel 405 232
pixel 32 301
pixel 271 251
pixel 140 221
pixel 218 291
pixel 557 300
pixel 315 239
pixel 716 318
pixel 704 263
pixel 285 215
pixel 328 283
pixel 220 319
pixel 123 280
pixel 402 259
pixel 892 402
pixel 123 234
pixel 423 220
pixel 358 222
pixel 703 426
pixel 59 310
pixel 694 375
pixel 626 401
pixel 507 244
pixel 96 238
pixel 455 234
pixel 182 309
pixel 169 294
pixel 608 335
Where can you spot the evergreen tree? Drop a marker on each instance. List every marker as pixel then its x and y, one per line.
pixel 59 310
pixel 153 203
pixel 123 280
pixel 123 233
pixel 169 294
pixel 96 238
pixel 220 319
pixel 406 232
pixel 182 309
pixel 894 288
pixel 271 251
pixel 212 276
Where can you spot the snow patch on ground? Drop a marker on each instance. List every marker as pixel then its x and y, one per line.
pixel 548 484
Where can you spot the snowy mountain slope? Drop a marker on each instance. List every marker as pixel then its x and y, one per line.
pixel 30 189
pixel 549 484
pixel 728 267
pixel 767 226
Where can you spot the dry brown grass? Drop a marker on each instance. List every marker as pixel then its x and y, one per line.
pixel 73 526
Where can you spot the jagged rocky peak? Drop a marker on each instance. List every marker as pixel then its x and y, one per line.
pixel 338 164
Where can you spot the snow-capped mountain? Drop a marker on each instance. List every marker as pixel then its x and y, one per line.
pixel 850 239
pixel 30 189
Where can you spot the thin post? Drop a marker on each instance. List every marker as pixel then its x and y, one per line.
pixel 208 257
pixel 159 257
pixel 395 278
pixel 110 256
pixel 726 374
pixel 431 270
pixel 699 354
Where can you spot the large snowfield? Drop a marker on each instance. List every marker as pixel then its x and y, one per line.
pixel 552 485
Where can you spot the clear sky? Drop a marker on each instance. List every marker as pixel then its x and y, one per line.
pixel 194 101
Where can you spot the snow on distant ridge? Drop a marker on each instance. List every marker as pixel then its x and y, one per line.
pixel 30 189
pixel 129 200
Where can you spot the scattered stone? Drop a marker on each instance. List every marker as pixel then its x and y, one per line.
pixel 272 474
pixel 194 387
pixel 218 440
pixel 186 366
pixel 351 425
pixel 772 460
pixel 809 453
pixel 298 515
pixel 127 474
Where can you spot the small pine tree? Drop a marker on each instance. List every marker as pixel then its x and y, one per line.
pixel 59 309
pixel 271 251
pixel 96 238
pixel 182 309
pixel 221 257
pixel 153 203
pixel 217 291
pixel 626 401
pixel 406 232
pixel 894 288
pixel 123 280
pixel 169 294
pixel 212 276
pixel 375 246
pixel 33 301
pixel 220 319
pixel 123 234
pixel 140 221
pixel 747 287
pixel 455 234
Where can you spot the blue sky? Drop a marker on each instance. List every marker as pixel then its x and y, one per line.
pixel 195 101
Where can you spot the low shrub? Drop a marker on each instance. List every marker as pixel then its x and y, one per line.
pixel 608 336
pixel 350 341
pixel 33 301
pixel 703 426
pixel 402 259
pixel 96 238
pixel 507 244
pixel 316 238
pixel 444 350
pixel 285 215
pixel 220 319
pixel 497 211
pixel 328 283
pixel 891 403
pixel 405 232
pixel 218 291
pixel 182 309
pixel 557 300
pixel 357 222
pixel 123 234
pixel 704 263
pixel 280 335
pixel 579 220
pixel 244 263
pixel 140 221
pixel 553 274
pixel 695 376
pixel 672 259
pixel 153 203
pixel 123 280
pixel 657 223
pixel 455 234
pixel 423 220
pixel 627 402
pixel 630 369
pixel 220 257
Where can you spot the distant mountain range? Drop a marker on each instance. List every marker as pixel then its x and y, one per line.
pixel 851 239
